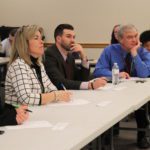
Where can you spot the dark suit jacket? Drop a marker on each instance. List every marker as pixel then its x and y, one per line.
pixel 54 65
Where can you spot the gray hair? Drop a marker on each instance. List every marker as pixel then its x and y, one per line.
pixel 125 28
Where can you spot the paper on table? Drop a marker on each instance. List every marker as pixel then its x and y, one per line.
pixel 119 88
pixel 112 88
pixel 104 103
pixel 106 87
pixel 30 124
pixel 60 126
pixel 73 102
pixel 133 79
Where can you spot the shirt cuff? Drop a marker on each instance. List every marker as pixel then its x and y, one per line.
pixel 85 64
pixel 84 86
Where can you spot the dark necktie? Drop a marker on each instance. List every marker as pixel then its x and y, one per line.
pixel 128 61
pixel 68 68
pixel 67 59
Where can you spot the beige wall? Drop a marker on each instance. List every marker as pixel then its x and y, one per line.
pixel 93 53
pixel 93 19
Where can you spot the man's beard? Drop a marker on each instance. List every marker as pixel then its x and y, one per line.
pixel 66 47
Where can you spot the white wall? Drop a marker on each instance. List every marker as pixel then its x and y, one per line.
pixel 93 19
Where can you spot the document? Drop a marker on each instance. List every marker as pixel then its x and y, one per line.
pixel 60 126
pixel 30 124
pixel 106 87
pixel 112 88
pixel 136 79
pixel 72 102
pixel 104 103
pixel 119 88
pixel 39 124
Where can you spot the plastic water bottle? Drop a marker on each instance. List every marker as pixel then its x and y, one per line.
pixel 115 74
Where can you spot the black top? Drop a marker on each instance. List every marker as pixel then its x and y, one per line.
pixel 37 68
pixel 7 112
pixel 7 115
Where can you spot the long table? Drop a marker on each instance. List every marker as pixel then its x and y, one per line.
pixel 85 122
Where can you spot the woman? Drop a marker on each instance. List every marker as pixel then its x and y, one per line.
pixel 114 38
pixel 26 79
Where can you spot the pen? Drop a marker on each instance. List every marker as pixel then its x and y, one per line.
pixel 28 110
pixel 17 106
pixel 63 87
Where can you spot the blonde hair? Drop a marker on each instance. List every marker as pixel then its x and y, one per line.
pixel 20 46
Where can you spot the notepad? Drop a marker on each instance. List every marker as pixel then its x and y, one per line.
pixel 112 88
pixel 133 79
pixel 30 124
pixel 106 87
pixel 60 126
pixel 119 88
pixel 104 103
pixel 73 102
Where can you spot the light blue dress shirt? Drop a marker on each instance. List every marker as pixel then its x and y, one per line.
pixel 116 54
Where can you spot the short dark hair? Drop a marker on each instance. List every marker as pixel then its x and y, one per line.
pixel 60 28
pixel 145 37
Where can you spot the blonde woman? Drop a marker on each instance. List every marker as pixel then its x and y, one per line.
pixel 26 79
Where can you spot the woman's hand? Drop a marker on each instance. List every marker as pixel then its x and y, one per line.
pixel 22 114
pixel 63 95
